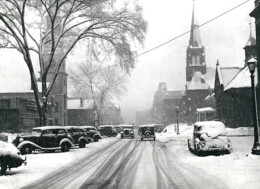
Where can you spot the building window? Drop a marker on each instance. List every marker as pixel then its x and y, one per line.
pixel 56 121
pixel 5 104
pixel 57 107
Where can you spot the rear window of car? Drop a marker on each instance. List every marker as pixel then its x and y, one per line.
pixel 61 132
pixel 48 132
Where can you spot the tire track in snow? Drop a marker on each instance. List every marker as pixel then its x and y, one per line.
pixel 62 176
pixel 101 179
pixel 163 177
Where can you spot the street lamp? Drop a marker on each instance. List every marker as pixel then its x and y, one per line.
pixel 251 66
pixel 177 117
pixel 163 117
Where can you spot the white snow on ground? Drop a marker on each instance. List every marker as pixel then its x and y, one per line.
pixel 238 170
pixel 41 164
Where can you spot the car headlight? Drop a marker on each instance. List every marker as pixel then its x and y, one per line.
pixel 21 140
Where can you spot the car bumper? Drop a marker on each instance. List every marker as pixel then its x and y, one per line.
pixel 217 149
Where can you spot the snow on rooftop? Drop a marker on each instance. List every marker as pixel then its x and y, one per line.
pixel 226 74
pixel 206 109
pixel 241 80
pixel 198 82
pixel 75 103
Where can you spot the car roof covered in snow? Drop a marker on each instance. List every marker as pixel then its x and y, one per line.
pixel 126 126
pixel 87 126
pixel 102 126
pixel 212 128
pixel 148 125
pixel 49 127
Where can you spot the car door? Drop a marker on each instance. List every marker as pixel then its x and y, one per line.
pixel 47 138
pixel 61 134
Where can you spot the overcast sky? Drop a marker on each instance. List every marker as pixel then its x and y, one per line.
pixel 223 39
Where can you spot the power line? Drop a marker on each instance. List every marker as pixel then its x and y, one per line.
pixel 185 33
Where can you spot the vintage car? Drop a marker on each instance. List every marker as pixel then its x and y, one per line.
pixel 79 136
pixel 209 137
pixel 146 132
pixel 92 133
pixel 48 139
pixel 10 157
pixel 107 130
pixel 118 128
pixel 127 131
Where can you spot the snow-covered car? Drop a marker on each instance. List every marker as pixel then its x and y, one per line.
pixel 79 136
pixel 92 133
pixel 127 131
pixel 10 157
pixel 48 139
pixel 209 137
pixel 107 130
pixel 146 132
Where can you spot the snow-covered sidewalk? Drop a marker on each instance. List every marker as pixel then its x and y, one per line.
pixel 237 170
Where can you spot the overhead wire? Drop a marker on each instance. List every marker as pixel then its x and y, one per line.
pixel 185 33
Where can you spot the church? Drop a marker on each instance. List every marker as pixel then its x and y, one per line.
pixel 197 87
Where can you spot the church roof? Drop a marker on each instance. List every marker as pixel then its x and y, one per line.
pixel 226 74
pixel 195 40
pixel 241 80
pixel 198 82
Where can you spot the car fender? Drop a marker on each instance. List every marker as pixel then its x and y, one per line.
pixel 28 142
pixel 82 138
pixel 66 140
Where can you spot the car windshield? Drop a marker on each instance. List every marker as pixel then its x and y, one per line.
pixel 213 130
pixel 36 132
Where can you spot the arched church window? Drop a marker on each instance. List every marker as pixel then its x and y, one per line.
pixel 198 59
pixel 193 60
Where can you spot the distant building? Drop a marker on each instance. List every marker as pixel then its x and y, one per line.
pixel 164 105
pixel 144 117
pixel 233 91
pixel 18 112
pixel 80 112
pixel 111 115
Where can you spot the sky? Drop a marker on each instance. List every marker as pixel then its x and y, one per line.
pixel 223 40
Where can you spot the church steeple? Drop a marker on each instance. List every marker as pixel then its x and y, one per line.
pixel 250 48
pixel 195 51
pixel 195 40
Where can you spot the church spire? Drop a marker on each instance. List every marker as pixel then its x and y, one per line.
pixel 195 40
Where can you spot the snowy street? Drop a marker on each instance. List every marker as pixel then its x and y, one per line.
pixel 130 163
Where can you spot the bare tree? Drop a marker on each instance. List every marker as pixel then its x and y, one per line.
pixel 52 28
pixel 100 86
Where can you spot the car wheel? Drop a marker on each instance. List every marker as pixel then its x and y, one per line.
pixel 3 167
pixel 27 149
pixel 96 139
pixel 142 139
pixel 65 147
pixel 82 144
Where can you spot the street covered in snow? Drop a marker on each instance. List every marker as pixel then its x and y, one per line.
pixel 132 163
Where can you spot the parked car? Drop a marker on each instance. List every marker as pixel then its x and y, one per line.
pixel 146 132
pixel 107 130
pixel 92 133
pixel 48 139
pixel 79 136
pixel 10 157
pixel 209 137
pixel 118 128
pixel 127 131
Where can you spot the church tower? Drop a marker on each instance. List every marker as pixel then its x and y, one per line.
pixel 250 48
pixel 58 94
pixel 195 61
